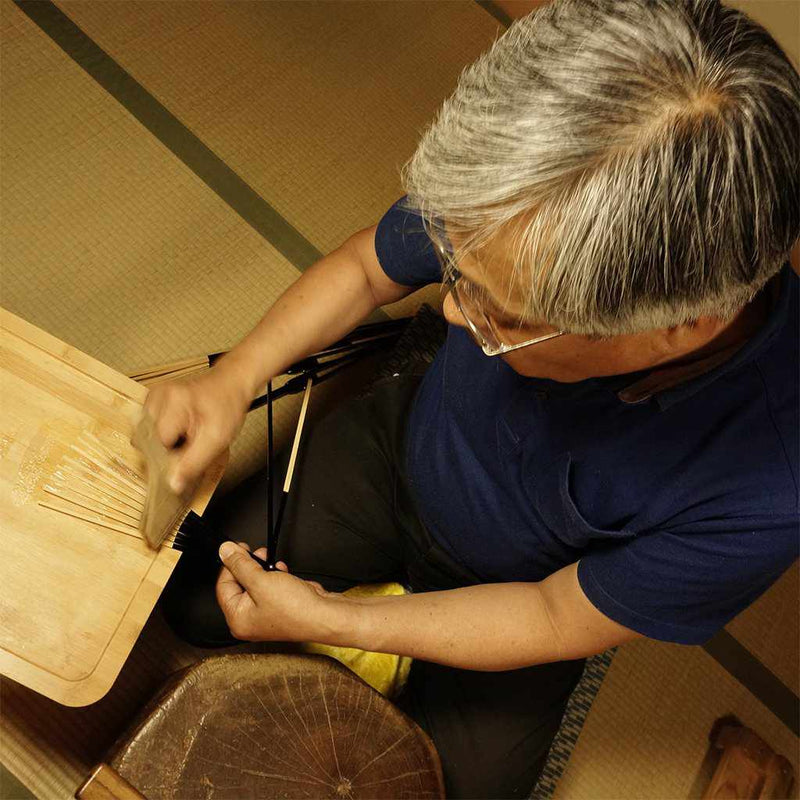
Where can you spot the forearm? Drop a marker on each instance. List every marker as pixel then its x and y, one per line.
pixel 325 303
pixel 488 627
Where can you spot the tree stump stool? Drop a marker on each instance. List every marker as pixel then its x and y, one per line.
pixel 274 726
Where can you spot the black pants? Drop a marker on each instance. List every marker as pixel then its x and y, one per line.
pixel 351 520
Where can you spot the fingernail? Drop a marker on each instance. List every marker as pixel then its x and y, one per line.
pixel 226 549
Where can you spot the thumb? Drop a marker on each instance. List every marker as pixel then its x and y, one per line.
pixel 239 563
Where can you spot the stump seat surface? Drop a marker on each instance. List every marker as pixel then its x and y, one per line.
pixel 275 725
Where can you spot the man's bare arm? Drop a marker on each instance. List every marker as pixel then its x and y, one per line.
pixel 205 413
pixel 488 627
pixel 326 302
pixel 491 627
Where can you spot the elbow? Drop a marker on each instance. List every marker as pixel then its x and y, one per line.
pixel 557 644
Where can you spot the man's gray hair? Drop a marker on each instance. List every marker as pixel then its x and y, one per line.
pixel 640 159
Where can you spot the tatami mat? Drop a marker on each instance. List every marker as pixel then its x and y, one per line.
pixel 770 629
pixel 112 244
pixel 315 104
pixel 647 733
pixel 109 242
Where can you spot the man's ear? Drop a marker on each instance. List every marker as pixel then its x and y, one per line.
pixel 693 334
pixel 794 257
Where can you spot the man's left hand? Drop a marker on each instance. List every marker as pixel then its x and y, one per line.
pixel 272 606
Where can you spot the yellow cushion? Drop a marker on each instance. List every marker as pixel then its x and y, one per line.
pixel 384 672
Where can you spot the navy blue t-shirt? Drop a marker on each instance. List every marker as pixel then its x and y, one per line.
pixel 681 509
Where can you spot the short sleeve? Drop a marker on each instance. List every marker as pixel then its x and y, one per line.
pixel 684 584
pixel 404 250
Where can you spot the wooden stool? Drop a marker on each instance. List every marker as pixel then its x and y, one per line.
pixel 748 769
pixel 269 726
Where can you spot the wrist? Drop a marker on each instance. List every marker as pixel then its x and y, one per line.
pixel 238 375
pixel 340 621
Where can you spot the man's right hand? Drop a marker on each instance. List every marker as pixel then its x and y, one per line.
pixel 198 419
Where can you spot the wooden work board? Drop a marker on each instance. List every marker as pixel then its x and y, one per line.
pixel 74 594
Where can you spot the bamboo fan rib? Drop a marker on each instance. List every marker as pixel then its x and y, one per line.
pixel 80 497
pixel 163 369
pixel 370 334
pixel 186 372
pixel 95 484
pixel 169 372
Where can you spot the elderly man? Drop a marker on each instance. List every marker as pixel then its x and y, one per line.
pixel 606 445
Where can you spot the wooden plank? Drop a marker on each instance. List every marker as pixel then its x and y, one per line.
pixel 105 783
pixel 74 593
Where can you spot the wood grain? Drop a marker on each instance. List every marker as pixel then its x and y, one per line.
pixel 748 768
pixel 275 726
pixel 105 783
pixel 74 593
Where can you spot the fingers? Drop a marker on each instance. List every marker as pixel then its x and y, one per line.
pixel 173 425
pixel 262 554
pixel 176 417
pixel 197 420
pixel 229 593
pixel 242 568
pixel 169 413
pixel 198 454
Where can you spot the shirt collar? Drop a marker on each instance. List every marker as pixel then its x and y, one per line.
pixel 673 384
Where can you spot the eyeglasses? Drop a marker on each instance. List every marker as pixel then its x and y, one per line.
pixel 479 323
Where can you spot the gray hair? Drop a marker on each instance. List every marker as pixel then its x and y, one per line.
pixel 641 159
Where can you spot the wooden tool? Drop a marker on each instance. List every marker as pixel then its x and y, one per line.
pixel 77 578
pixel 163 509
pixel 273 529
